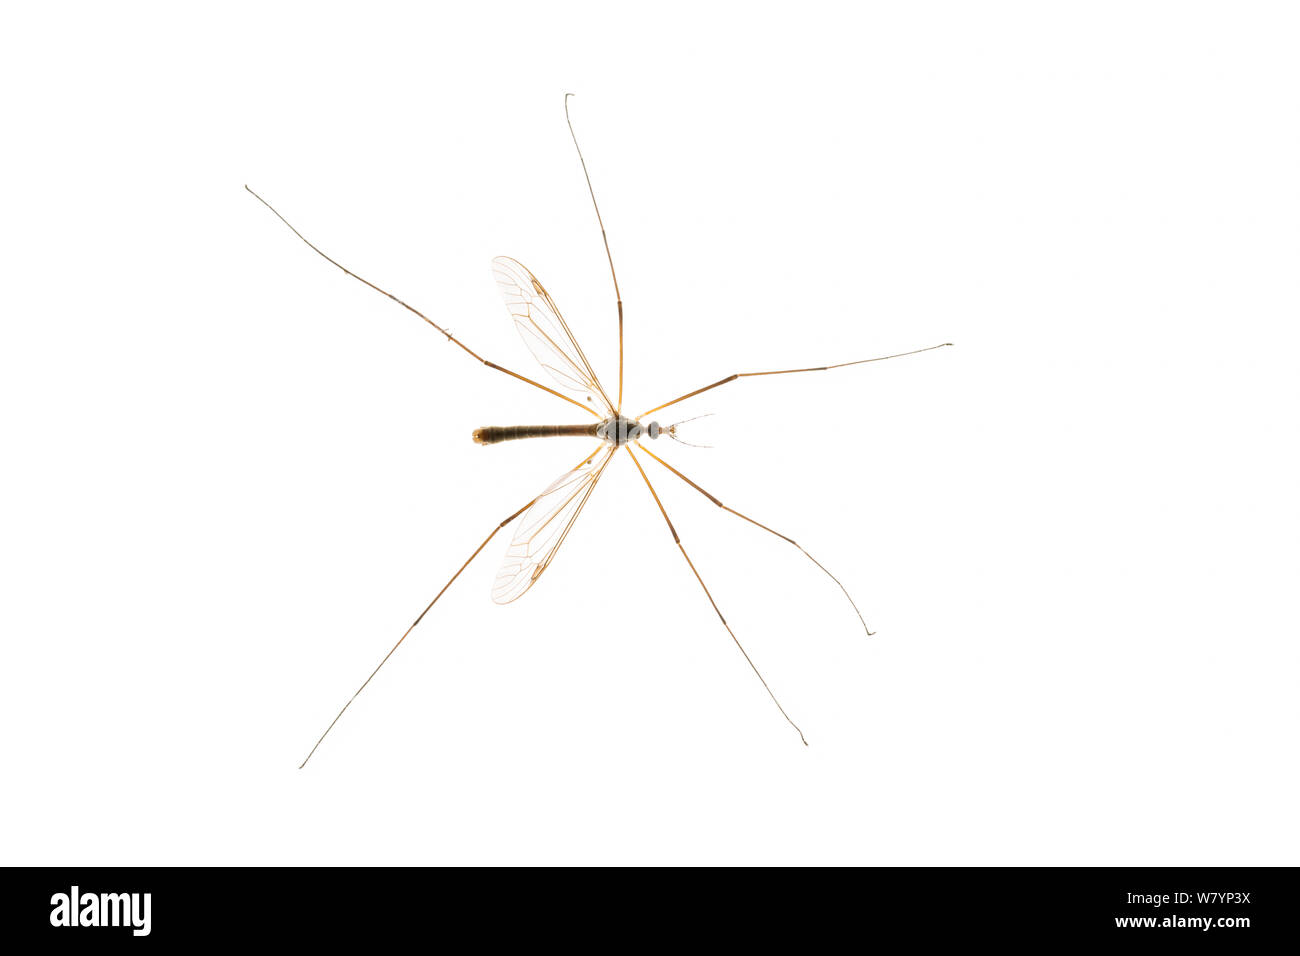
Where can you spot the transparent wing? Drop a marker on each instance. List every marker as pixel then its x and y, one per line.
pixel 546 333
pixel 544 527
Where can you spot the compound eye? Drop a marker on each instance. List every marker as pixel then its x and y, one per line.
pixel 654 430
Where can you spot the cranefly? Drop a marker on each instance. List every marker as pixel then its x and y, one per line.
pixel 545 521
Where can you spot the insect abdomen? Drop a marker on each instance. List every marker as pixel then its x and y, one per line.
pixel 491 434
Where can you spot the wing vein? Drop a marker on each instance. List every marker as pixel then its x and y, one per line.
pixel 546 525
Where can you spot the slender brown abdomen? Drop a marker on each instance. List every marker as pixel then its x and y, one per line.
pixel 491 434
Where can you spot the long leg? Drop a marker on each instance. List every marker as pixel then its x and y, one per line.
pixel 678 542
pixel 765 528
pixel 413 624
pixel 608 255
pixel 409 308
pixel 786 371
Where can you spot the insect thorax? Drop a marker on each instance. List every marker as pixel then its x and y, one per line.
pixel 619 430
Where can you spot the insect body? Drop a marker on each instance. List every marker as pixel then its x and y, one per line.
pixel 619 431
pixel 544 522
pixel 615 431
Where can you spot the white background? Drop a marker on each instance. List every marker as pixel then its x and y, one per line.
pixel 232 475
